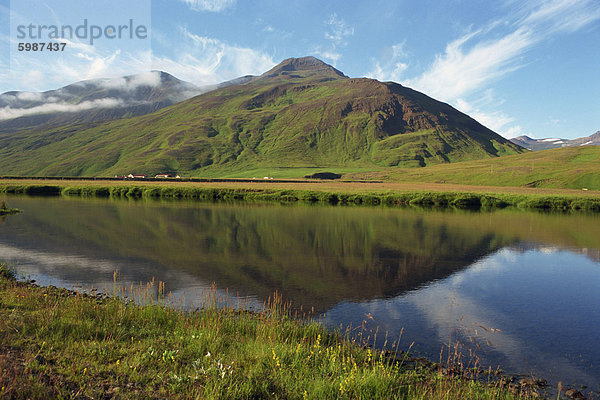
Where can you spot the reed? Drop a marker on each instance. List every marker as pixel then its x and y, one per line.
pixel 4 210
pixel 249 192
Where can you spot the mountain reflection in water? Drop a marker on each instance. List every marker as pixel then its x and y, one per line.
pixel 503 282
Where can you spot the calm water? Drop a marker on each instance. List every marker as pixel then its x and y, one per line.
pixel 520 290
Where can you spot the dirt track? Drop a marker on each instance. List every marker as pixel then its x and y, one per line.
pixel 338 186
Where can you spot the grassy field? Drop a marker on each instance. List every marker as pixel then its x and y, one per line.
pixel 570 167
pixel 285 173
pixel 60 344
pixel 337 192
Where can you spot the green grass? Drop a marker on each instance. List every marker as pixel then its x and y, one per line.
pixel 4 210
pixel 570 167
pixel 248 192
pixel 283 172
pixel 59 344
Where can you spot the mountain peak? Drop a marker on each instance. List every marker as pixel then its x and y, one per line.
pixel 165 76
pixel 303 64
pixel 523 137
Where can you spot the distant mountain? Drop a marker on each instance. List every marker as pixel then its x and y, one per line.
pixel 303 113
pixel 552 143
pixel 94 101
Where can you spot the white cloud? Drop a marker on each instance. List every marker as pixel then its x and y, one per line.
pixel 391 72
pixel 210 5
pixel 553 16
pixel 10 113
pixel 19 104
pixel 513 131
pixel 281 34
pixel 495 120
pixel 398 50
pixel 33 76
pixel 29 96
pixel 337 33
pixel 555 121
pixel 339 30
pixel 196 58
pixel 78 62
pixel 460 71
pixel 330 56
pixel 99 66
pixel 150 78
pixel 395 64
pixel 83 48
pixel 203 60
pixel 474 60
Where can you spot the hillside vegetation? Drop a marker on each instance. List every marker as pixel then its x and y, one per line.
pixel 301 114
pixel 571 167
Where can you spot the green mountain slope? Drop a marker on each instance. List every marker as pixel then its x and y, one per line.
pixel 301 114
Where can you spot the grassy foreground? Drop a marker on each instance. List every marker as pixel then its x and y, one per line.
pixel 390 194
pixel 59 344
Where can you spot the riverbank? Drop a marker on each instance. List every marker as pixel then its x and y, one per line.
pixel 339 192
pixel 57 343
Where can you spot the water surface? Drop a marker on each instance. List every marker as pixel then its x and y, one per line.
pixel 517 289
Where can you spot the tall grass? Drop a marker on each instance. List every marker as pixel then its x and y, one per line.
pixel 56 343
pixel 5 210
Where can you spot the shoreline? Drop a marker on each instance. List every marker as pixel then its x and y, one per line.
pixel 334 193
pixel 90 345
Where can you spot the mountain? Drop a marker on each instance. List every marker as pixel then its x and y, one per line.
pixel 302 113
pixel 93 101
pixel 552 143
pixel 304 67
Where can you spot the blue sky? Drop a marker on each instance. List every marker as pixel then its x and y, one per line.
pixel 518 66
